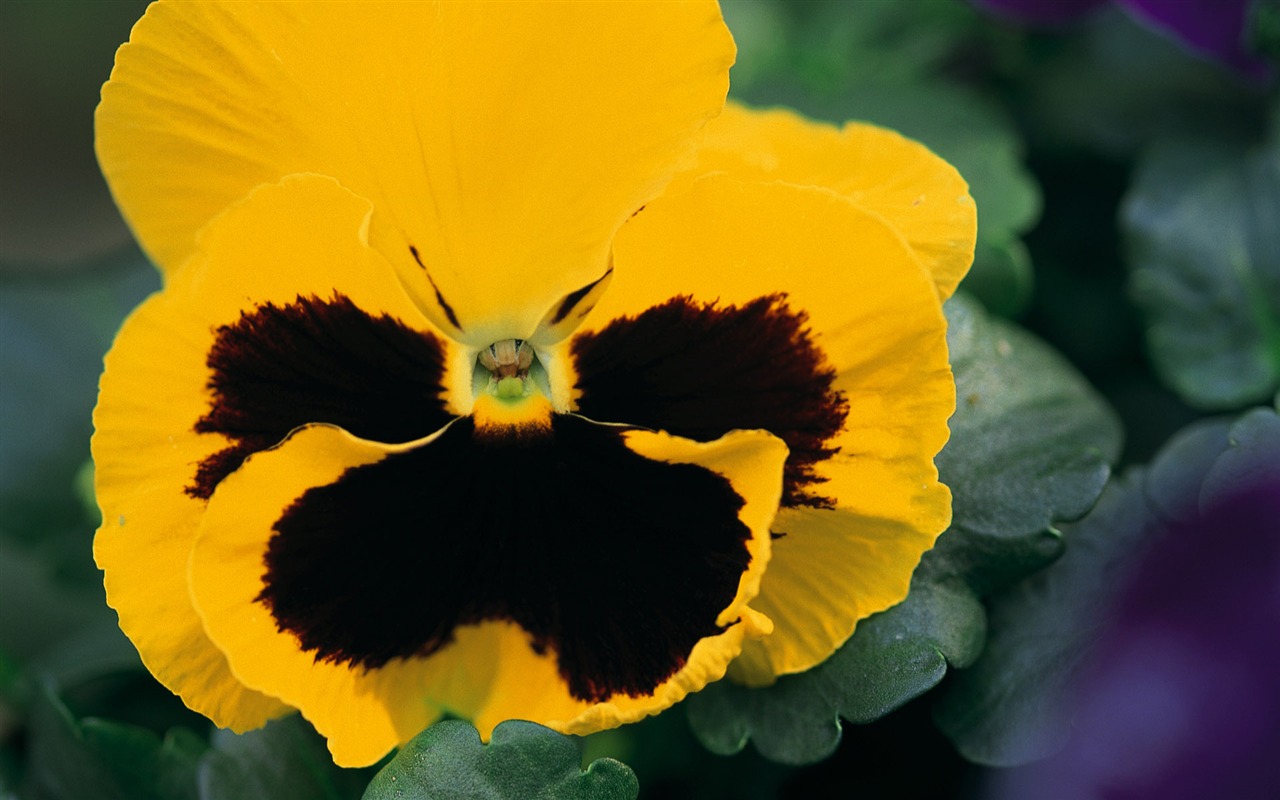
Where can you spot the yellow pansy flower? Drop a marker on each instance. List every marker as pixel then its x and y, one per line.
pixel 500 370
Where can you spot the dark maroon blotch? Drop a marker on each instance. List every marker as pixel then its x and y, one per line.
pixel 700 370
pixel 317 361
pixel 615 563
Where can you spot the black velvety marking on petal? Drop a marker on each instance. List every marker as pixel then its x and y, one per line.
pixel 572 299
pixel 700 371
pixel 616 563
pixel 313 360
pixel 444 306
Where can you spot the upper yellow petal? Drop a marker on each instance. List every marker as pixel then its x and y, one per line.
pixel 900 180
pixel 504 143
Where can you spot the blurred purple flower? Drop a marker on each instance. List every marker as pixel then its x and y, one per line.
pixel 1182 698
pixel 1214 28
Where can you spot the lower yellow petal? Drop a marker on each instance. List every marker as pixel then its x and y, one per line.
pixel 502 144
pixel 831 568
pixel 520 668
pixel 488 669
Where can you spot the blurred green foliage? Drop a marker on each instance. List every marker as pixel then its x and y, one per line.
pixel 1014 706
pixel 1127 196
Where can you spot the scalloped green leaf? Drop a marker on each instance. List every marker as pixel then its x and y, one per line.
pixel 1204 249
pixel 286 760
pixel 1031 440
pixel 95 759
pixel 1175 476
pixel 1030 446
pixel 1007 708
pixel 894 657
pixel 523 761
pixel 1012 706
pixel 1252 458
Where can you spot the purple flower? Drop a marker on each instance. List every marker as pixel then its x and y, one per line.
pixel 1181 699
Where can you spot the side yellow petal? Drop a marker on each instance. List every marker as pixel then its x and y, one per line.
pixel 730 241
pixel 900 180
pixel 875 314
pixel 155 389
pixel 501 143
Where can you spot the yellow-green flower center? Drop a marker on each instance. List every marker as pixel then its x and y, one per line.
pixel 510 384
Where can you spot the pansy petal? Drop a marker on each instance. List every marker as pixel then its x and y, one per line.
pixel 872 337
pixel 143 549
pixel 502 144
pixel 214 368
pixel 847 565
pixel 520 667
pixel 364 713
pixel 901 180
pixel 368 585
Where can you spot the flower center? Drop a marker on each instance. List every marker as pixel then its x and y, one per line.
pixel 511 387
pixel 508 363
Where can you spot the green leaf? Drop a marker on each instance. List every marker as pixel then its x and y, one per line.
pixel 53 334
pixel 286 760
pixel 1204 249
pixel 1030 446
pixel 1008 708
pixel 1012 705
pixel 522 761
pixel 100 760
pixel 1252 459
pixel 1031 440
pixel 1175 477
pixel 893 657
